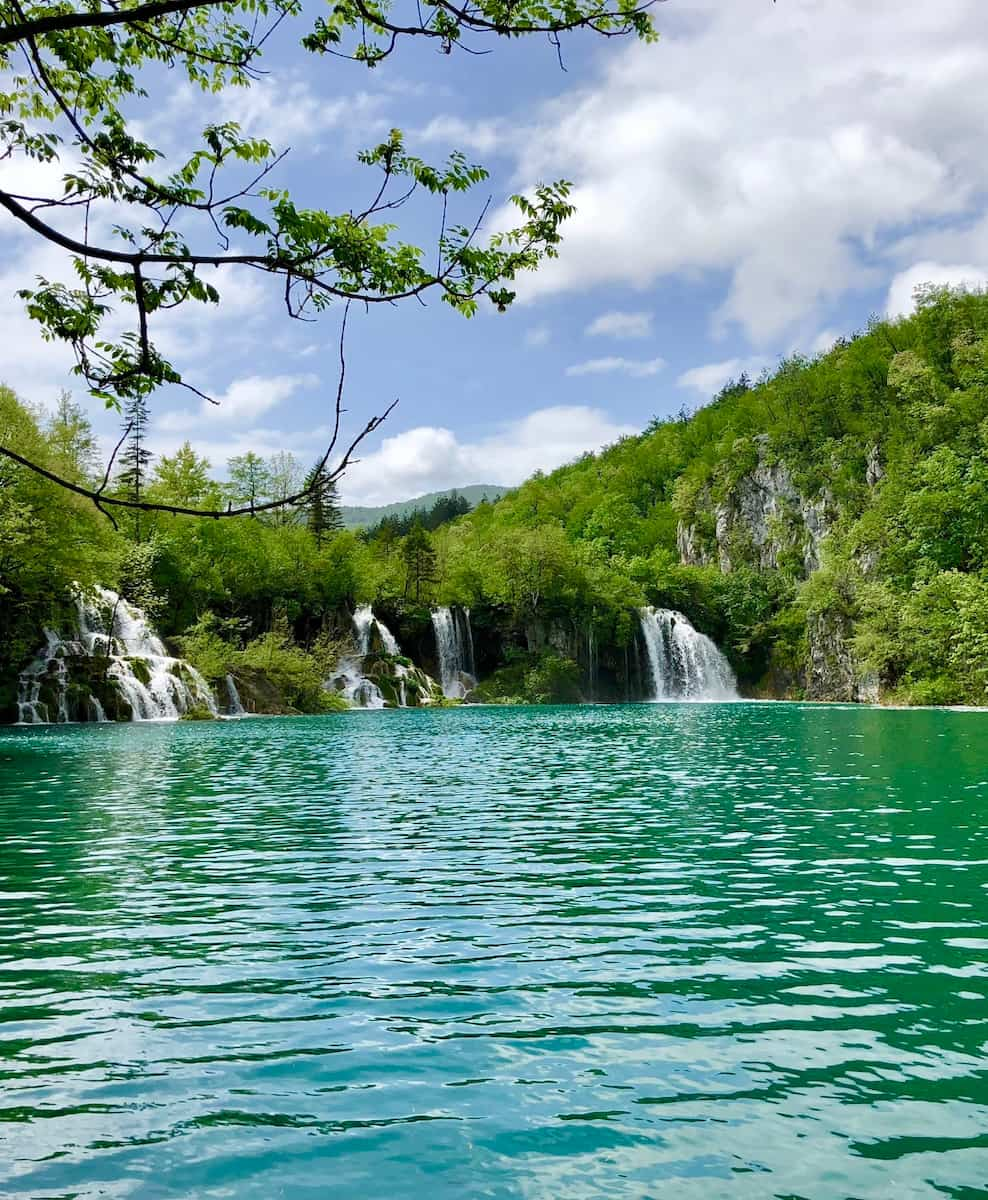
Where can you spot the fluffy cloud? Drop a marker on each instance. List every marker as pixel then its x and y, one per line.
pixel 685 160
pixel 430 458
pixel 621 325
pixel 901 301
pixel 637 368
pixel 243 402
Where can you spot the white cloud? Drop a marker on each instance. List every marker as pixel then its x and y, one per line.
pixel 621 325
pixel 711 377
pixel 430 458
pixel 901 301
pixel 637 368
pixel 780 144
pixel 539 335
pixel 481 137
pixel 244 401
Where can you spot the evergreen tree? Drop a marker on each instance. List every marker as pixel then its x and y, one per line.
pixel 135 458
pixel 323 509
pixel 420 561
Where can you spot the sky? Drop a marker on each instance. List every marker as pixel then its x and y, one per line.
pixel 764 178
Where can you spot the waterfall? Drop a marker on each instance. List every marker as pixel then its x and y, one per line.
pixel 364 624
pixel 349 679
pixel 684 664
pixel 454 651
pixel 136 667
pixel 234 708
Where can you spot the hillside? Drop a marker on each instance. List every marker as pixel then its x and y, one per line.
pixel 827 526
pixel 356 517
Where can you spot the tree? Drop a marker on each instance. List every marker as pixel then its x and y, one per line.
pixel 285 474
pixel 135 458
pixel 70 437
pixel 183 477
pixel 250 480
pixel 75 76
pixel 323 507
pixel 420 561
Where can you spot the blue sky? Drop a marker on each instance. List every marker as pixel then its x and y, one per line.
pixel 761 179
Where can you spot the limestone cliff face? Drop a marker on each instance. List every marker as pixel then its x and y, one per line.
pixel 764 521
pixel 831 672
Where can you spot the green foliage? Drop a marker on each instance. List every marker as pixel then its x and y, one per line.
pixel 198 712
pixel 526 678
pixel 78 84
pixel 443 509
pixel 420 563
pixel 48 539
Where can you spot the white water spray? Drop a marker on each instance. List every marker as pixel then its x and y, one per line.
pixel 684 664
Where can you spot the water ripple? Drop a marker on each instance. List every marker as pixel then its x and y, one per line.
pixel 638 951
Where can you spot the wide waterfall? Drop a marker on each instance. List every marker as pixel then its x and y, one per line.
pixel 112 658
pixel 684 664
pixel 454 651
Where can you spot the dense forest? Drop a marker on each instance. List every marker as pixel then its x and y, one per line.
pixel 826 524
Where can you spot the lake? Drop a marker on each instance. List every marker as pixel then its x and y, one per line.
pixel 733 950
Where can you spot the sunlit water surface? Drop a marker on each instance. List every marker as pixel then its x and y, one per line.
pixel 642 951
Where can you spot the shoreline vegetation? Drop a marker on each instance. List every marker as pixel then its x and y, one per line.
pixel 824 525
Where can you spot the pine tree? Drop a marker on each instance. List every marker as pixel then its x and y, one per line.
pixel 323 507
pixel 135 457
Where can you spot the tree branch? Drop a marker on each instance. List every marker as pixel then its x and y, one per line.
pixel 96 20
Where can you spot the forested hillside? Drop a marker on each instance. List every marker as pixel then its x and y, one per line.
pixel 827 525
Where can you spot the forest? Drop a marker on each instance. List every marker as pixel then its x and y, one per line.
pixel 825 524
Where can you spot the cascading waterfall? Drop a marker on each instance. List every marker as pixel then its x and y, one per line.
pixel 349 679
pixel 152 684
pixel 684 664
pixel 454 651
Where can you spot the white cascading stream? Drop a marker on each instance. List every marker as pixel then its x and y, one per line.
pixel 684 664
pixel 156 686
pixel 349 679
pixel 454 651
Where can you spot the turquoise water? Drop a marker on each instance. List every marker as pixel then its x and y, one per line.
pixel 641 951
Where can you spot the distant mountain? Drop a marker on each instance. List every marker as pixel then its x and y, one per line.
pixel 359 518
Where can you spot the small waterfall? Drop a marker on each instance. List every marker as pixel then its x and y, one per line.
pixel 684 664
pixel 234 708
pixel 349 679
pixel 454 651
pixel 153 685
pixel 364 624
